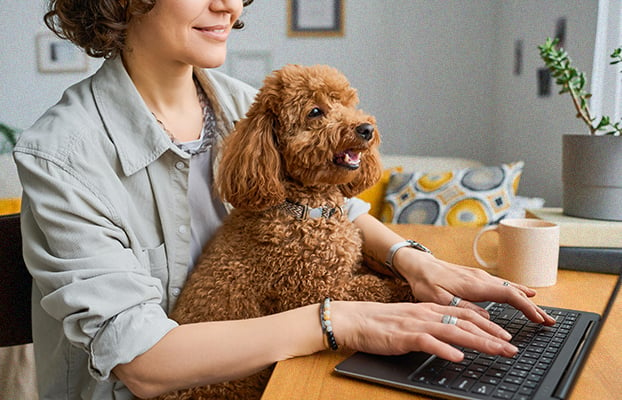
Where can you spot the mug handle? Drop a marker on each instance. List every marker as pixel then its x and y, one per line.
pixel 480 260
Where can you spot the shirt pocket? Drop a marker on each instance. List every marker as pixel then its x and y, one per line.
pixel 157 263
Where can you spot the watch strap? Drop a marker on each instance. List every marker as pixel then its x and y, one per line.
pixel 391 254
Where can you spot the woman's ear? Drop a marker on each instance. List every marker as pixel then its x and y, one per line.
pixel 249 172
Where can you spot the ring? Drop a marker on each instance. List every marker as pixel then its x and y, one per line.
pixel 449 319
pixel 506 283
pixel 455 301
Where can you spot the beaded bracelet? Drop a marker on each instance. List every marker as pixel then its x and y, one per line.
pixel 327 326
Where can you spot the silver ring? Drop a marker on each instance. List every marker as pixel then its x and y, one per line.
pixel 449 319
pixel 506 283
pixel 455 301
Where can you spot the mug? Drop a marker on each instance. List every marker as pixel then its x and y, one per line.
pixel 528 251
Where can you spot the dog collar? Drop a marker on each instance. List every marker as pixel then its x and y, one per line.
pixel 302 212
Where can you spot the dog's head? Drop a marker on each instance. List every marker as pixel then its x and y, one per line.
pixel 304 128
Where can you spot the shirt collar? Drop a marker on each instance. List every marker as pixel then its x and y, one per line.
pixel 138 138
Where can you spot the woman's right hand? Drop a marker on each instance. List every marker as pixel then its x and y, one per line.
pixel 399 328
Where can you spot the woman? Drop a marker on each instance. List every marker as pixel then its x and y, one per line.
pixel 115 185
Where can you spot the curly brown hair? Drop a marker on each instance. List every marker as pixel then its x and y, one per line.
pixel 99 26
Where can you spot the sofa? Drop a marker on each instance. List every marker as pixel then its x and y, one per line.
pixel 447 191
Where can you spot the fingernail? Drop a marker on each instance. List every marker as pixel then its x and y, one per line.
pixel 513 349
pixel 506 335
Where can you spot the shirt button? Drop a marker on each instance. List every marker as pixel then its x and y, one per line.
pixel 175 291
pixel 180 165
pixel 182 229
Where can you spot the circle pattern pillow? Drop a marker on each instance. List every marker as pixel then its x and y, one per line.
pixel 467 197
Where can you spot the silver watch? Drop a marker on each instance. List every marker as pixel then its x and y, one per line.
pixel 391 253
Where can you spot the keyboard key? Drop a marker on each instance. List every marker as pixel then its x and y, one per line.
pixel 519 373
pixel 472 374
pixel 525 391
pixel 508 313
pixel 502 394
pixel 496 373
pixel 490 379
pixel 423 377
pixel 444 378
pixel 464 384
pixel 509 387
pixel 482 388
pixel 524 367
pixel 514 380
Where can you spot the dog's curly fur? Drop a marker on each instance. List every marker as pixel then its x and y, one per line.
pixel 263 260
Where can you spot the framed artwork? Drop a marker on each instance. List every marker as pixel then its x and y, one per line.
pixel 57 55
pixel 315 17
pixel 249 66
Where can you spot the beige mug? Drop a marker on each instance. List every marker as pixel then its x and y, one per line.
pixel 528 251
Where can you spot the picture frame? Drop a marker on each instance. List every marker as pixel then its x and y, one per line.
pixel 55 55
pixel 250 67
pixel 316 18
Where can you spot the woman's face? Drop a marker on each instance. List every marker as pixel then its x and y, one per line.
pixel 191 32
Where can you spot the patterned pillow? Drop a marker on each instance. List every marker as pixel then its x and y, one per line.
pixel 466 197
pixel 375 194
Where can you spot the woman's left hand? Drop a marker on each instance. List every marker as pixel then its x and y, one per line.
pixel 445 283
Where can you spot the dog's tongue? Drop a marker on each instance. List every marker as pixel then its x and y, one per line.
pixel 352 157
pixel 349 158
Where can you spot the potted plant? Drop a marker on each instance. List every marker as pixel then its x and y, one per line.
pixel 592 163
pixel 8 138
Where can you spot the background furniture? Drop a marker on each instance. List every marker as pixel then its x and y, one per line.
pixel 15 325
pixel 10 188
pixel 17 365
pixel 446 180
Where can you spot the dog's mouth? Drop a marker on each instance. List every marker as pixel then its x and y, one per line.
pixel 350 159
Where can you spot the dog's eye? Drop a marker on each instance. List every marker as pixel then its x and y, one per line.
pixel 315 112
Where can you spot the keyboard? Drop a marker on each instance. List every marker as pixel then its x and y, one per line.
pixel 497 377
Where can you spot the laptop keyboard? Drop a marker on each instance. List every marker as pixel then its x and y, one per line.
pixel 495 377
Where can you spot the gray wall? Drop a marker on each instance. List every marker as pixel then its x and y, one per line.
pixel 436 74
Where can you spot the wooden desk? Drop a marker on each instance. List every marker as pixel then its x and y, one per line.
pixel 312 377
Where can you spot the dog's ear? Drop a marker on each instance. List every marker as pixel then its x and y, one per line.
pixel 249 173
pixel 369 174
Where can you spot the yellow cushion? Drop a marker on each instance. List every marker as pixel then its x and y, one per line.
pixel 375 194
pixel 464 197
pixel 10 206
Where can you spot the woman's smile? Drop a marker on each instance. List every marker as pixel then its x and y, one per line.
pixel 215 32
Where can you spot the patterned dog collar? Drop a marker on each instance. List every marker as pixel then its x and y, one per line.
pixel 302 212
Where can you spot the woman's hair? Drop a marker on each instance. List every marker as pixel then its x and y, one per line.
pixel 99 26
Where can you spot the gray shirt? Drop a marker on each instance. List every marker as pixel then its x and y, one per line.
pixel 106 223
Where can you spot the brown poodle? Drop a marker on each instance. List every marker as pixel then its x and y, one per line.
pixel 287 168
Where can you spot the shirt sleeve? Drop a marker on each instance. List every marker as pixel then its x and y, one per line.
pixel 356 207
pixel 93 279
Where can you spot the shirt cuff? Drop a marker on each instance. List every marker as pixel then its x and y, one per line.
pixel 127 336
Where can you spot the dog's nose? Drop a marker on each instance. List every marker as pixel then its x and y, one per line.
pixel 366 131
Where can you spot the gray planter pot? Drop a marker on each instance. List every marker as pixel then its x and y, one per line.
pixel 592 176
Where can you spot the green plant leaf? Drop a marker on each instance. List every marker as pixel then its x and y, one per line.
pixel 572 81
